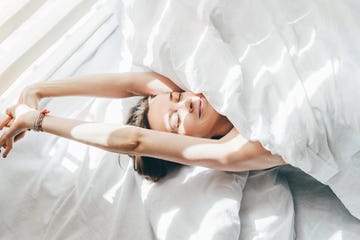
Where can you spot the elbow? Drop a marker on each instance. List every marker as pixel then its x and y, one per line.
pixel 126 141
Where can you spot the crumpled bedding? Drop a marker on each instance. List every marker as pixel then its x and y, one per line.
pixel 284 73
pixel 52 188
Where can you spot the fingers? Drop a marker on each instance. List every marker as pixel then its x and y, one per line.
pixel 8 148
pixel 9 112
pixel 10 122
pixel 6 143
pixel 4 121
pixel 7 139
pixel 3 141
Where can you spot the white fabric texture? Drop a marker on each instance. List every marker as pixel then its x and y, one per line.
pixel 267 210
pixel 52 188
pixel 194 203
pixel 284 73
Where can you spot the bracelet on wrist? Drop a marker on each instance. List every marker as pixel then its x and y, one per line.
pixel 39 120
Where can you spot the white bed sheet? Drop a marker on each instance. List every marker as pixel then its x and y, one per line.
pixel 52 188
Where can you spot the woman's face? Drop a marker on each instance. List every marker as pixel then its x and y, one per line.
pixel 184 113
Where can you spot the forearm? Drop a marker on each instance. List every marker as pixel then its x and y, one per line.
pixel 110 137
pixel 100 85
pixel 232 153
pixel 259 162
pixel 117 85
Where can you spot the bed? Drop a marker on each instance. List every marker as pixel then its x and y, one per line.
pixel 52 188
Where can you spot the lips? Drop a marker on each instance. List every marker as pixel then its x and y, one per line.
pixel 201 107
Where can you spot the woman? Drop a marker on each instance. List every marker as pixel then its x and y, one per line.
pixel 184 128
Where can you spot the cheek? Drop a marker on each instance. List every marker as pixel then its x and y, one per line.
pixel 188 126
pixel 193 128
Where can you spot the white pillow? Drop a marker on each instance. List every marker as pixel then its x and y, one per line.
pixel 194 203
pixel 267 208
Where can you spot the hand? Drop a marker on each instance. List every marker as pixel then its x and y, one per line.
pixel 19 118
pixel 30 97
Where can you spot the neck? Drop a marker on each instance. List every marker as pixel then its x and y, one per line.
pixel 222 127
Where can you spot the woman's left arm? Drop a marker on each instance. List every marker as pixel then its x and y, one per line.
pixel 231 153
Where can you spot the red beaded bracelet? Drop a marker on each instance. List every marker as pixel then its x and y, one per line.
pixel 39 120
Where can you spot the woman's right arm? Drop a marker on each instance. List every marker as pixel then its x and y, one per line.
pixel 231 153
pixel 117 85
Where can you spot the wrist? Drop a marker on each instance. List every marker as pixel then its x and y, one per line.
pixel 29 119
pixel 37 126
pixel 36 90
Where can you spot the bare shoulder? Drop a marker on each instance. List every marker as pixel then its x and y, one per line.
pixel 233 133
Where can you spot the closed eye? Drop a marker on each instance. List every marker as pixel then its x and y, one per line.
pixel 178 121
pixel 174 121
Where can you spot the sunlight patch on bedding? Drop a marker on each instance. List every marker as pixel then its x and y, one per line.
pixel 77 150
pixel 195 173
pixel 337 236
pixel 128 33
pixel 74 155
pixel 95 157
pixel 149 58
pixel 69 165
pixel 262 224
pixel 111 193
pixel 336 65
pixel 146 187
pixel 190 63
pixel 300 18
pixel 286 107
pixel 315 80
pixel 218 219
pixel 272 69
pixel 308 46
pixel 232 83
pixel 250 45
pixel 164 223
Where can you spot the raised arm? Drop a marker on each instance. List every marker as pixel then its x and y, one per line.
pixel 119 85
pixel 231 153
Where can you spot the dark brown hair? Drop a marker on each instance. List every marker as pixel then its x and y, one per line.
pixel 151 168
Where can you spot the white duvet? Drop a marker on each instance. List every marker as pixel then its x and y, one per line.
pixel 285 73
pixel 52 188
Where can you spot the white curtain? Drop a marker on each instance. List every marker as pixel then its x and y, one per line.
pixel 41 38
